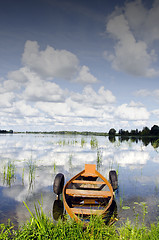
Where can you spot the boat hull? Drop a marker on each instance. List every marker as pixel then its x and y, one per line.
pixel 87 193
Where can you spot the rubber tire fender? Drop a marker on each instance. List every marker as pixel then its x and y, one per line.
pixel 113 179
pixel 58 183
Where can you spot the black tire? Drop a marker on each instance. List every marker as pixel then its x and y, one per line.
pixel 113 179
pixel 58 183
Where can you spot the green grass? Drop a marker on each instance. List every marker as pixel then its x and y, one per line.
pixel 9 173
pixel 94 143
pixel 83 142
pixel 41 226
pixel 32 168
pixel 99 158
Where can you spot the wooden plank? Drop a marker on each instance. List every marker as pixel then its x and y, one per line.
pixel 88 193
pixel 88 182
pixel 84 211
pixel 88 174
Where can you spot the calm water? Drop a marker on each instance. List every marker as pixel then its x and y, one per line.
pixel 29 163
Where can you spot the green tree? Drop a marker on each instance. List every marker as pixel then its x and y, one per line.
pixel 112 132
pixel 145 131
pixel 155 130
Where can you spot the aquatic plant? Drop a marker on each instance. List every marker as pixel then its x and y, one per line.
pixel 155 144
pixel 23 177
pixel 82 142
pixel 32 168
pixel 9 173
pixel 94 142
pixel 54 166
pixel 99 158
pixel 120 202
pixel 70 160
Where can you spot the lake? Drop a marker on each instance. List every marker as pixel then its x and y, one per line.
pixel 29 163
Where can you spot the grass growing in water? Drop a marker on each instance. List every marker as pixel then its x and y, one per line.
pixel 32 168
pixel 9 173
pixel 82 142
pixel 99 158
pixel 94 143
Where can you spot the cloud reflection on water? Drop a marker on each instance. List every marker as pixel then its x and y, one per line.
pixel 49 155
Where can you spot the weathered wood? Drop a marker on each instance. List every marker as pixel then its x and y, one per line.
pixel 84 211
pixel 87 174
pixel 89 182
pixel 88 193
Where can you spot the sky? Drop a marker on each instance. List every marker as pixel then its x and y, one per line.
pixel 75 65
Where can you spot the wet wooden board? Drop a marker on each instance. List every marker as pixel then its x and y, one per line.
pixel 88 174
pixel 88 193
pixel 84 211
pixel 89 182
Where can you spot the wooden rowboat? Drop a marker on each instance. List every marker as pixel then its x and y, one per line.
pixel 87 193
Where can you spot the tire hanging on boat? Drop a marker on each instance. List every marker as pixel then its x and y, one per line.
pixel 113 179
pixel 58 183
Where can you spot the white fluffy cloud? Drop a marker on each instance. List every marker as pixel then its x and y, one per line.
pixel 50 63
pixel 85 76
pixel 132 113
pixel 44 91
pixel 32 100
pixel 90 97
pixel 6 99
pixel 25 109
pixel 132 53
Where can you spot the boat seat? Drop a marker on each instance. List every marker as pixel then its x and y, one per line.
pixel 84 211
pixel 88 193
pixel 89 182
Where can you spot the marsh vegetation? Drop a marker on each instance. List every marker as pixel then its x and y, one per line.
pixel 41 226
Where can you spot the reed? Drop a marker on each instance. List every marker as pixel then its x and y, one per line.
pixel 94 143
pixel 23 177
pixel 32 168
pixel 9 173
pixel 83 142
pixel 99 158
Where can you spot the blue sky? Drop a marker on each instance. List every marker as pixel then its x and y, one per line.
pixel 79 65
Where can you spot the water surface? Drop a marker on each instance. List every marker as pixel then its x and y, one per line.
pixel 29 163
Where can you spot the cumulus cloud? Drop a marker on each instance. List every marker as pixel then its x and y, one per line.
pixel 44 91
pixel 25 109
pixel 19 75
pixel 88 104
pixel 85 76
pixel 131 51
pixel 50 63
pixel 54 109
pixel 132 113
pixel 32 100
pixel 6 99
pixel 90 97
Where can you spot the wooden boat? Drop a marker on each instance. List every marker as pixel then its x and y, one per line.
pixel 86 193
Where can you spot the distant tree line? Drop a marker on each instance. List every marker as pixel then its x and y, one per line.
pixel 5 131
pixel 154 131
